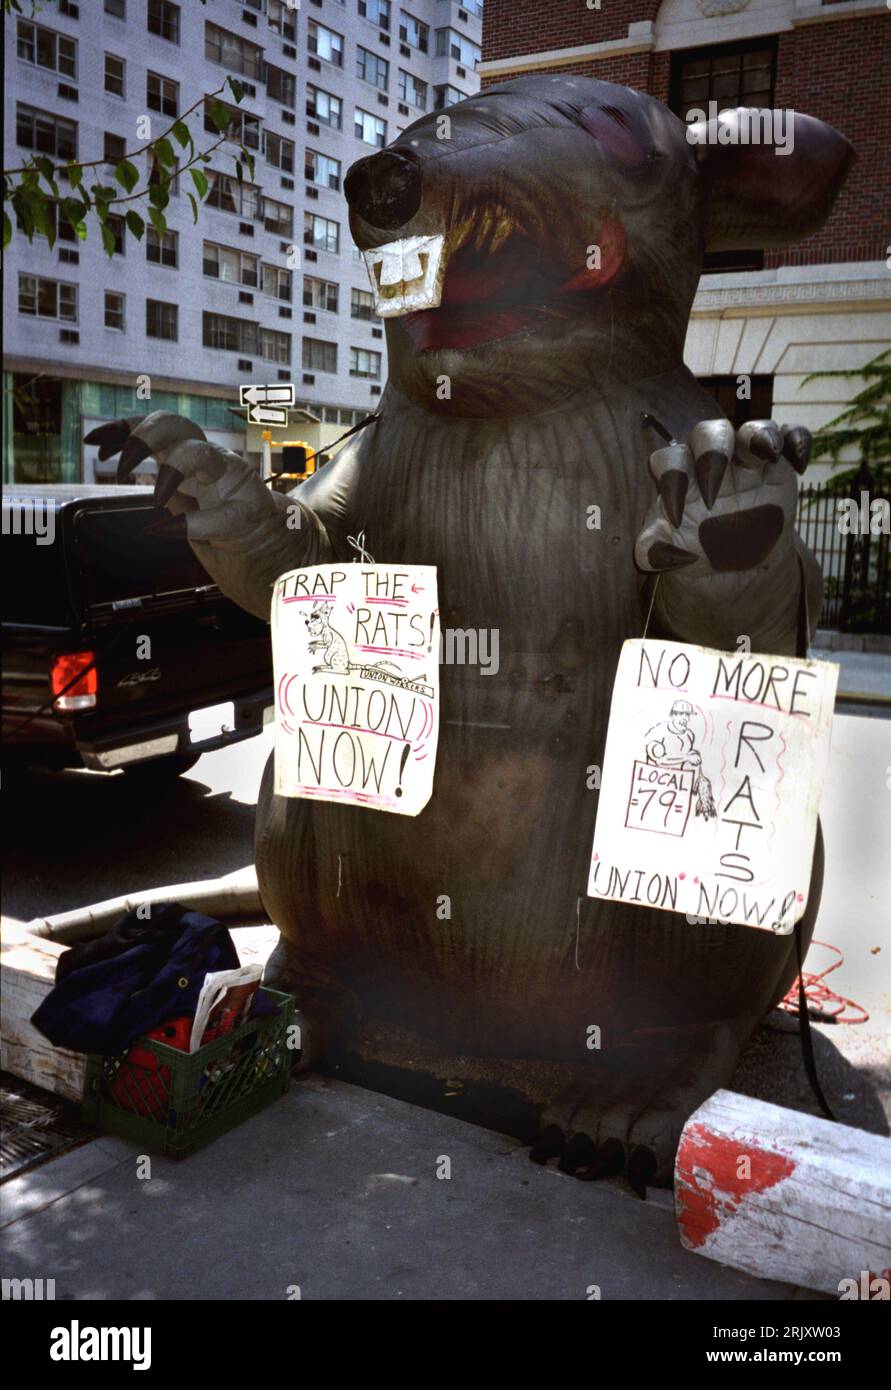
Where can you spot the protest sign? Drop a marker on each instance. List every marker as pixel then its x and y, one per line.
pixel 711 784
pixel 356 662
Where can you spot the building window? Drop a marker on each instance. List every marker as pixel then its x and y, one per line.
pixel 162 94
pixel 734 74
pixel 230 265
pixel 759 406
pixel 114 75
pixel 319 294
pixel 413 32
pixel 730 75
pixel 365 364
pixel 325 43
pixel 45 134
pixel 118 8
pixel 275 346
pixel 362 304
pixel 372 69
pixel 321 170
pixel 232 52
pixel 324 108
pixel 229 334
pixel 278 217
pixel 47 299
pixel 371 129
pixel 116 225
pixel 114 147
pixel 319 356
pixel 376 11
pixel 446 96
pixel 46 49
pixel 163 20
pixel 279 152
pixel 321 232
pixel 161 320
pixel 243 125
pixel 412 90
pixel 227 194
pixel 276 282
pixel 454 45
pixel 114 310
pixel 281 20
pixel 281 86
pixel 161 250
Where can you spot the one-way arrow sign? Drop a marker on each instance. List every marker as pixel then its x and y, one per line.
pixel 267 415
pixel 278 393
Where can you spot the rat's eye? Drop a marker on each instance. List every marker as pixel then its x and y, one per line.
pixel 621 133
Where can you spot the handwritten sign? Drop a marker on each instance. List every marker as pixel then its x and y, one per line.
pixel 711 784
pixel 356 660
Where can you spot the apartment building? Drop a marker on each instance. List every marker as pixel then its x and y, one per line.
pixel 772 316
pixel 266 285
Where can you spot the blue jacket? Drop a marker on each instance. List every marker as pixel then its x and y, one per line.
pixel 111 989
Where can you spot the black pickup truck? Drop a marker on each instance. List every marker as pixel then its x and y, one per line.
pixel 118 651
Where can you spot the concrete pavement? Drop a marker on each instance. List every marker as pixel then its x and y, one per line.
pixel 335 1190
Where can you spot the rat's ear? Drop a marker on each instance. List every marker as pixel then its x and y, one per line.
pixel 768 177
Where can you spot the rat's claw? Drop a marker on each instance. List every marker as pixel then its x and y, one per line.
pixel 549 1144
pixel 579 1153
pixel 796 446
pixel 166 483
pixel 641 1167
pixel 606 1163
pixel 112 437
pixel 669 467
pixel 134 452
pixel 711 444
pixel 663 555
pixel 758 442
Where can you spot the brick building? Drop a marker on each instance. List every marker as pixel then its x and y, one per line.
pixel 775 316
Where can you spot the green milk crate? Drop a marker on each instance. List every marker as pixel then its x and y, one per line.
pixel 176 1102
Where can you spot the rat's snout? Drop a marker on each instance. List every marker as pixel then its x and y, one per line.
pixel 384 189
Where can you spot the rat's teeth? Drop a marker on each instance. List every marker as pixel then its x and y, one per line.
pixel 406 275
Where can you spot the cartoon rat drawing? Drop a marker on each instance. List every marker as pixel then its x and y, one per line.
pixel 672 743
pixel 552 362
pixel 329 640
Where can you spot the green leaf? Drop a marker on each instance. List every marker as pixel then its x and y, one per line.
pixel 239 171
pixel 80 229
pixel 220 115
pixel 136 224
pixel 74 210
pixel 159 222
pixel 236 88
pixel 200 181
pixel 164 150
pixel 7 228
pixel 248 159
pixel 48 171
pixel 182 133
pixel 75 174
pixel 108 240
pixel 191 198
pixel 159 196
pixel 127 175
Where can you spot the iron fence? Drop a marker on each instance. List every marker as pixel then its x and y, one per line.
pixel 856 560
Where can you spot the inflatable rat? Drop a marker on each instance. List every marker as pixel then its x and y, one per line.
pixel 564 223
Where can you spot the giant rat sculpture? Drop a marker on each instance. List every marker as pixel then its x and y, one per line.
pixel 513 407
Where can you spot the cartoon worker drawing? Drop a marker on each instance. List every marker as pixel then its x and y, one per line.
pixel 673 744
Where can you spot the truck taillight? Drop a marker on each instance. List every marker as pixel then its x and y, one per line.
pixel 77 671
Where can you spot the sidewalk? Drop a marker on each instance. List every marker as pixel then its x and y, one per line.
pixel 335 1189
pixel 864 676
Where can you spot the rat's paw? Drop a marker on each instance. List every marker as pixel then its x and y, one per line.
pixel 725 498
pixel 219 498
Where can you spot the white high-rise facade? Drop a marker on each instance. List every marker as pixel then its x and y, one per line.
pixel 266 286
